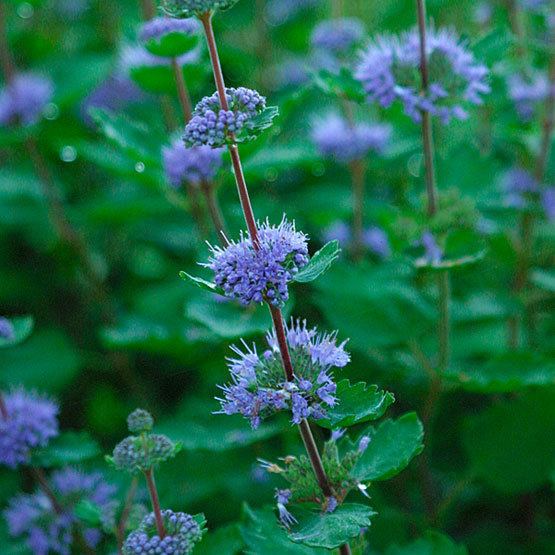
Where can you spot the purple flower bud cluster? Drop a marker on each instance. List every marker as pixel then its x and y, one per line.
pixel 6 329
pixel 23 99
pixel 517 184
pixel 193 165
pixel 31 422
pixel 140 421
pixel 136 56
pixel 158 27
pixel 338 36
pixel 251 274
pixel 47 531
pixel 210 125
pixel 138 454
pixel 335 137
pixel 258 388
pixel 527 92
pixel 374 238
pixel 389 71
pixel 183 532
pixel 190 8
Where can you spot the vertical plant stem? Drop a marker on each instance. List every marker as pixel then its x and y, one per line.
pixel 196 210
pixel 6 60
pixel 182 91
pixel 40 478
pixel 148 9
pixel 208 188
pixel 277 317
pixel 153 492
pixel 358 178
pixel 336 8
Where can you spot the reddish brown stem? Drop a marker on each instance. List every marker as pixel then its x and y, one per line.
pixel 6 60
pixel 122 524
pixel 182 91
pixel 41 480
pixel 153 492
pixel 209 191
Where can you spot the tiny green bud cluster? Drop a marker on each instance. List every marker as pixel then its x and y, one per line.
pixel 140 421
pixel 198 8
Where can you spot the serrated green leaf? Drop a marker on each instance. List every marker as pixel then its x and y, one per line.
pixel 330 530
pixel 319 263
pixel 262 535
pixel 172 45
pixel 392 446
pixel 202 283
pixel 505 373
pixel 22 327
pixel 510 445
pixel 257 125
pixel 433 543
pixel 67 448
pixel 356 404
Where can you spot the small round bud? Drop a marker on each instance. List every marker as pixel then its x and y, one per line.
pixel 141 453
pixel 140 421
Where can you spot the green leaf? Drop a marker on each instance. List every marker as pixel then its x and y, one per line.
pixel 172 44
pixel 89 513
pixel 392 446
pixel 343 84
pixel 67 448
pixel 226 539
pixel 257 125
pixel 46 361
pixel 202 283
pixel 356 404
pixel 510 445
pixel 161 79
pixel 505 373
pixel 22 327
pixel 544 280
pixel 330 530
pixel 433 543
pixel 133 137
pixel 319 263
pixel 262 535
pixel 197 428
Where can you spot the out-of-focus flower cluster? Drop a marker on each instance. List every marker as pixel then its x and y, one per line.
pixel 337 138
pixel 193 165
pixel 182 533
pixel 48 529
pixel 24 98
pixel 527 92
pixel 258 386
pixel 256 273
pixel 213 126
pixel 374 238
pixel 389 71
pixel 190 8
pixel 32 420
pixel 159 27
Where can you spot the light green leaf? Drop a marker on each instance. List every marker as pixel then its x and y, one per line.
pixel 172 45
pixel 257 125
pixel 202 283
pixel 226 539
pixel 392 446
pixel 330 530
pixel 356 404
pixel 433 543
pixel 319 263
pixel 67 448
pixel 505 373
pixel 89 513
pixel 161 79
pixel 22 327
pixel 510 445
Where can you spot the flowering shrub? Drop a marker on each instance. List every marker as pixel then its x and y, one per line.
pixel 343 251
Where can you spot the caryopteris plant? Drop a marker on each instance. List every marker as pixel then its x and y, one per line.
pixel 294 374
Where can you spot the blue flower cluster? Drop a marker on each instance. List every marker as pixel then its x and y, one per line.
pixel 183 532
pixel 338 36
pixel 24 98
pixel 6 328
pixel 215 127
pixel 250 274
pixel 158 27
pixel 192 165
pixel 527 91
pixel 374 238
pixel 389 71
pixel 336 137
pixel 32 421
pixel 140 421
pixel 258 388
pixel 47 531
